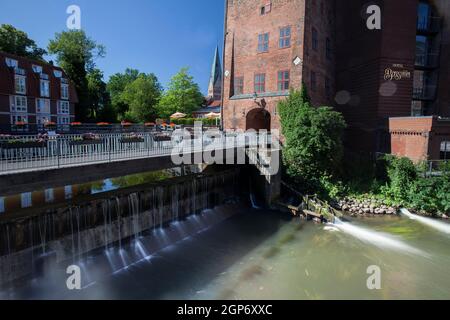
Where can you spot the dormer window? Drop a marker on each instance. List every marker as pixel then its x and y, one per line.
pixel 11 63
pixel 37 69
pixel 57 73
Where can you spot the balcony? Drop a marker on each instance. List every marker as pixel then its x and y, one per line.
pixel 427 61
pixel 430 25
pixel 425 93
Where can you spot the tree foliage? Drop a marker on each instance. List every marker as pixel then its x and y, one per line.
pixel 313 139
pixel 116 87
pixel 183 95
pixel 142 96
pixel 98 97
pixel 17 42
pixel 76 53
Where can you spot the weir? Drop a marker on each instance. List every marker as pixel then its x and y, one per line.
pixel 35 237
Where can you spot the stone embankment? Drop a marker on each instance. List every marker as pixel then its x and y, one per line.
pixel 366 207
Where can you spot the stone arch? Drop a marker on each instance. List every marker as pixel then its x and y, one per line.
pixel 258 119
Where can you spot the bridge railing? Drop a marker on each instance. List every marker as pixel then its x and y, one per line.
pixel 39 152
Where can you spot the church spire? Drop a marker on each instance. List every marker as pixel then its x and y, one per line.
pixel 215 81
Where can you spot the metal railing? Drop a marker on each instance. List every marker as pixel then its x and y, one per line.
pixel 428 60
pixel 32 153
pixel 425 93
pixel 429 24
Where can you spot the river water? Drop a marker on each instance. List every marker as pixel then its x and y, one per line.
pixel 256 254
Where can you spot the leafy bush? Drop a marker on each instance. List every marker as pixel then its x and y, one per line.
pixel 313 140
pixel 401 174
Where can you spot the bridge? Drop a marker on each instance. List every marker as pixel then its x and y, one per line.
pixel 29 163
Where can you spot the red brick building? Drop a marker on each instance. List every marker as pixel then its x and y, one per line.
pixel 34 94
pixel 270 47
pixel 400 70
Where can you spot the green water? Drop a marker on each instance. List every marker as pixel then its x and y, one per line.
pixel 308 261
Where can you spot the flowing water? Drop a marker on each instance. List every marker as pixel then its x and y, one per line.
pixel 239 253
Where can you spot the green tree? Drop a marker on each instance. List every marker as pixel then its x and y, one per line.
pixel 98 97
pixel 116 87
pixel 142 97
pixel 313 140
pixel 17 42
pixel 75 53
pixel 182 95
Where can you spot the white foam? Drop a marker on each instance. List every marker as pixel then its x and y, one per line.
pixel 438 225
pixel 375 238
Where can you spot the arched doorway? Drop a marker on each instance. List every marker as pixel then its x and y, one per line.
pixel 258 119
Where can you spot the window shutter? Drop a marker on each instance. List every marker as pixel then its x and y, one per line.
pixel 268 7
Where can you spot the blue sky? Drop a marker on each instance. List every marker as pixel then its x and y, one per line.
pixel 158 36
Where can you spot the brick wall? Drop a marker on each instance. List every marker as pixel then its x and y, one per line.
pixel 418 138
pixel 244 23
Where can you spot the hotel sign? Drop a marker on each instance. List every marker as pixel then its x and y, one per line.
pixel 396 73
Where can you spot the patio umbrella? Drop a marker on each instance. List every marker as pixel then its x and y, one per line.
pixel 213 115
pixel 178 115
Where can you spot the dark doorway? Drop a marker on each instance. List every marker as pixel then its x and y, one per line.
pixel 258 119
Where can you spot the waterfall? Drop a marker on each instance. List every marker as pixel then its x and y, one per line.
pixel 375 238
pixel 437 225
pixel 119 221
pixel 66 232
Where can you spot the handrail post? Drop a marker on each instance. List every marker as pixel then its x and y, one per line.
pixel 109 146
pixel 58 151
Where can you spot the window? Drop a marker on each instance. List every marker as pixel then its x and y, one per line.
pixel 263 42
pixel 11 63
pixel 19 118
pixel 315 40
pixel 313 81
pixel 327 88
pixel 63 120
pixel 64 91
pixel 63 107
pixel 238 85
pixel 2 204
pixel 424 14
pixel 43 106
pixel 445 150
pixel 42 119
pixel 20 82
pixel 416 109
pixel 328 48
pixel 19 104
pixel 37 69
pixel 26 200
pixel 45 88
pixel 68 192
pixel 283 80
pixel 57 73
pixel 260 83
pixel 285 37
pixel 49 195
pixel 266 9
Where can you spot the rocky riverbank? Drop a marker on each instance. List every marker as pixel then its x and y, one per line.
pixel 366 207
